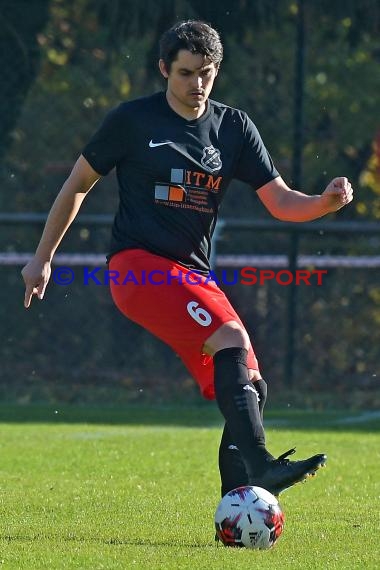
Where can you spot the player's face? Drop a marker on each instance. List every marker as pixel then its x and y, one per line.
pixel 190 81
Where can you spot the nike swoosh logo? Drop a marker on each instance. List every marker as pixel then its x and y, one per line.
pixel 153 145
pixel 178 148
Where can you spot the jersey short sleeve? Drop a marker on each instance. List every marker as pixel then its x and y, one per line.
pixel 255 165
pixel 108 145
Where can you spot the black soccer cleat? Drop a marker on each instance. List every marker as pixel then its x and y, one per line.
pixel 283 473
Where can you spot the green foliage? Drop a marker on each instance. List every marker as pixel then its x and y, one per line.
pixel 20 22
pixel 95 54
pixel 81 77
pixel 341 97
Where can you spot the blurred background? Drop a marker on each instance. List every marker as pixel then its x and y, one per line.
pixel 308 75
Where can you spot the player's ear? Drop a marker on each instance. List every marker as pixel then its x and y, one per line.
pixel 162 66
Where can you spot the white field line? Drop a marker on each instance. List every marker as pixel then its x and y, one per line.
pixel 238 261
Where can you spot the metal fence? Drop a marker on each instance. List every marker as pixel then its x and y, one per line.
pixel 75 346
pixel 314 98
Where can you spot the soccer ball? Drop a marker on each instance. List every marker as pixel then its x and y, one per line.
pixel 250 517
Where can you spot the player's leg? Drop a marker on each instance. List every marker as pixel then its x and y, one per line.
pixel 184 315
pixel 232 469
pixel 189 317
pixel 236 396
pixel 237 400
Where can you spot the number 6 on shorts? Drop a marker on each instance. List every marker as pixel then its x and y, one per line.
pixel 201 316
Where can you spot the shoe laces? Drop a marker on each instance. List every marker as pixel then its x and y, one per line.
pixel 283 456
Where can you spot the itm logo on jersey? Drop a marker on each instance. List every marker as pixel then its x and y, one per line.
pixel 190 186
pixel 211 160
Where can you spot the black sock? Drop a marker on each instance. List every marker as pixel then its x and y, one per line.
pixel 262 391
pixel 233 472
pixel 237 400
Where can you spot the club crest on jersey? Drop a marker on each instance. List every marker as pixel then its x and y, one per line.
pixel 211 159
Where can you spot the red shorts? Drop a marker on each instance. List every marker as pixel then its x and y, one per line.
pixel 177 305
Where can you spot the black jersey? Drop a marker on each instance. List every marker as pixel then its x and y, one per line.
pixel 173 173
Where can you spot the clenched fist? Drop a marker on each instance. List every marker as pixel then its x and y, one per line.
pixel 338 193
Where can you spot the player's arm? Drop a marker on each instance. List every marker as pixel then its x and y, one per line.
pixel 293 206
pixel 36 273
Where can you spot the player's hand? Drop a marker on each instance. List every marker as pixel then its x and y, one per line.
pixel 338 193
pixel 36 275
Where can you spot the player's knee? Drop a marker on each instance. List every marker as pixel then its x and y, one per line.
pixel 254 375
pixel 262 390
pixel 229 335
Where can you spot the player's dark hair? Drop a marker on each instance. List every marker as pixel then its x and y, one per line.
pixel 194 36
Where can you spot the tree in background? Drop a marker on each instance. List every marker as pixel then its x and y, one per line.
pixel 94 53
pixel 20 23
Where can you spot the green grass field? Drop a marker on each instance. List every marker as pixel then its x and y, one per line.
pixel 137 488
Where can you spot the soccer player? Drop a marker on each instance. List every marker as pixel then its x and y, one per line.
pixel 175 153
